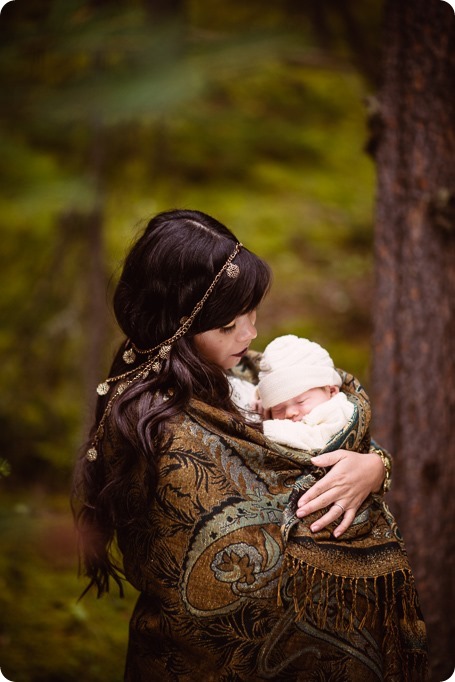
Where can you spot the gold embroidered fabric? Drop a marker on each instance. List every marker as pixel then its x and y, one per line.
pixel 235 588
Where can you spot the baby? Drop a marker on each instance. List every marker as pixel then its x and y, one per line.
pixel 298 395
pixel 299 388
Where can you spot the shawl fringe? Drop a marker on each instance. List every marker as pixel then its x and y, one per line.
pixel 359 598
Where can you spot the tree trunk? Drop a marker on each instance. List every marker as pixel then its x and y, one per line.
pixel 414 328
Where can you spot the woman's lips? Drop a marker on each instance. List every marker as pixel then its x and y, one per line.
pixel 241 354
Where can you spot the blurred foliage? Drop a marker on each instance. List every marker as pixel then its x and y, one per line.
pixel 110 112
pixel 46 634
pixel 123 109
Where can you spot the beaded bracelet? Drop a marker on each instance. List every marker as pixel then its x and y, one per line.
pixel 387 482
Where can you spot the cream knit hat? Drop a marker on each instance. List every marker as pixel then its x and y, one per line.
pixel 291 365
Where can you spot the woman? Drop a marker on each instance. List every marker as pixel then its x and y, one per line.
pixel 194 495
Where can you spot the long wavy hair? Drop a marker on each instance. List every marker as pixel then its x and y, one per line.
pixel 166 273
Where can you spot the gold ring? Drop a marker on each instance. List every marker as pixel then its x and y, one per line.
pixel 340 506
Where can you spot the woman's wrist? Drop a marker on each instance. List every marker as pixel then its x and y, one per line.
pixel 387 469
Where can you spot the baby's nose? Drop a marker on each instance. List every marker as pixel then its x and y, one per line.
pixel 292 412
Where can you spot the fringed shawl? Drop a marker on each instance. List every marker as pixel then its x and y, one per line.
pixel 234 587
pixel 369 556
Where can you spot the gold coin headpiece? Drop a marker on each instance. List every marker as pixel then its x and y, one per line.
pixel 155 356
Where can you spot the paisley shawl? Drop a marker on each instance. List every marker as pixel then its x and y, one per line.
pixel 235 588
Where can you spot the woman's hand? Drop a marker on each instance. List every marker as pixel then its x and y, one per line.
pixel 352 477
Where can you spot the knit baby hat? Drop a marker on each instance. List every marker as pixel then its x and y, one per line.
pixel 291 365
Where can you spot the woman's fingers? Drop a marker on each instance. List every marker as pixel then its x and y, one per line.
pixel 352 477
pixel 325 485
pixel 344 523
pixel 320 497
pixel 335 512
pixel 348 483
pixel 328 489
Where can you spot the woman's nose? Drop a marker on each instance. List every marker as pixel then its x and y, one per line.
pixel 248 331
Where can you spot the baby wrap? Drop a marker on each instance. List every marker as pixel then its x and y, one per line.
pixel 235 588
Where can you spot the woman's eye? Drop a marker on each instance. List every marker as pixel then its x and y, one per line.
pixel 229 328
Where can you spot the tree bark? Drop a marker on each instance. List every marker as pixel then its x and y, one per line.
pixel 413 376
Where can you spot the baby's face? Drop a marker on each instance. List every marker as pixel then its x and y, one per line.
pixel 296 408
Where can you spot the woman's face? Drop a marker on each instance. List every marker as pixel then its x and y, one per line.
pixel 226 345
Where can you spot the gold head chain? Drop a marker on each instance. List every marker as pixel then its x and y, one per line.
pixel 159 354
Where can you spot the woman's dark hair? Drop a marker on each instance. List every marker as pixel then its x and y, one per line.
pixel 166 273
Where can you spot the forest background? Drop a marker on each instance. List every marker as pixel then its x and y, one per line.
pixel 262 114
